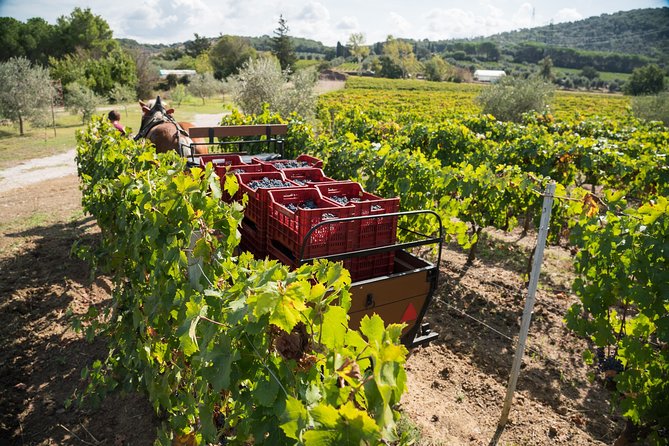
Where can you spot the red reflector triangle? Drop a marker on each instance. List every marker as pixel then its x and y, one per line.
pixel 409 314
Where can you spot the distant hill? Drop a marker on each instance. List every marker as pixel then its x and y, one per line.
pixel 641 31
pixel 616 42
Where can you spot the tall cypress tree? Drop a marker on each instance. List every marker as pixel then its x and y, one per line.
pixel 282 46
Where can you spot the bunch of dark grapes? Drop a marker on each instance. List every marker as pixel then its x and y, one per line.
pixel 308 204
pixel 608 364
pixel 267 183
pixel 292 164
pixel 340 199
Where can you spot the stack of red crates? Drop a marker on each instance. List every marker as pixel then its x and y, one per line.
pixel 271 228
pixel 367 233
pixel 254 224
pixel 287 228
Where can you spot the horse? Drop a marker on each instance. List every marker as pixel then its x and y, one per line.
pixel 159 127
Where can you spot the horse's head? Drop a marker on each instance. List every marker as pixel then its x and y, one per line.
pixel 154 112
pixel 163 130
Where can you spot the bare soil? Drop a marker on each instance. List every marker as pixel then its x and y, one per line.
pixel 456 385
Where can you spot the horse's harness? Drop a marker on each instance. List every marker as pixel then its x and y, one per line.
pixel 158 115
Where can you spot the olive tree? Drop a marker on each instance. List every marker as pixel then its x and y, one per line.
pixel 26 91
pixel 81 99
pixel 261 81
pixel 204 85
pixel 510 97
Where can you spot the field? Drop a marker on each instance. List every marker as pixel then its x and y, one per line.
pixel 455 385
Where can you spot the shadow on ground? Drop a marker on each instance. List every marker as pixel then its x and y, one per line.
pixel 41 358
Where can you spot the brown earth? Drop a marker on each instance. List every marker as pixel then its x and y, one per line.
pixel 456 385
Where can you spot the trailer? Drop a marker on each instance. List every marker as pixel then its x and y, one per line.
pixel 388 277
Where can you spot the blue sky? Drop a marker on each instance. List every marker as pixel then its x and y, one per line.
pixel 169 21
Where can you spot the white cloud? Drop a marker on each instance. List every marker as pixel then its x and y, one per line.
pixel 170 21
pixel 442 23
pixel 348 23
pixel 567 15
pixel 400 27
pixel 524 17
pixel 314 12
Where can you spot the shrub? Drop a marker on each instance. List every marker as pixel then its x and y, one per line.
pixel 645 80
pixel 81 99
pixel 652 108
pixel 509 98
pixel 261 81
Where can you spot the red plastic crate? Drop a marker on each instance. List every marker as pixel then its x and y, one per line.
pixel 286 229
pixel 221 159
pixel 306 175
pixel 312 160
pixel 372 232
pixel 254 239
pixel 362 268
pixel 231 169
pixel 303 161
pixel 258 205
pixel 222 171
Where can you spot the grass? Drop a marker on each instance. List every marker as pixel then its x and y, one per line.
pixel 25 222
pixel 305 63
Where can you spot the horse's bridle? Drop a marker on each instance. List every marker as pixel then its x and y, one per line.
pixel 158 115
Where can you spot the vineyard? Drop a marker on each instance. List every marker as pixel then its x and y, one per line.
pixel 236 350
pixel 436 152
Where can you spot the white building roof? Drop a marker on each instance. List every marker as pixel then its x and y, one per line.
pixel 165 73
pixel 491 73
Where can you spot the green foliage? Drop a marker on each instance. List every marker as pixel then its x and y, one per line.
pixel 282 46
pixel 610 39
pixel 261 82
pixel 178 94
pixel 80 99
pixel 589 72
pixel 228 348
pixel 35 40
pixel 509 98
pixel 99 74
pixel 436 69
pixel 204 86
pixel 83 30
pixel 229 54
pixel 197 46
pixel 357 48
pixel 26 91
pixel 399 53
pixel 645 80
pixel 652 108
pixel 622 282
pixel 120 94
pixel 546 69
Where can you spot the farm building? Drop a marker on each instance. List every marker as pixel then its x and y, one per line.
pixel 179 73
pixel 488 75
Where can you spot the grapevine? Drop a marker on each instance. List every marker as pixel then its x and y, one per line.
pixel 227 348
